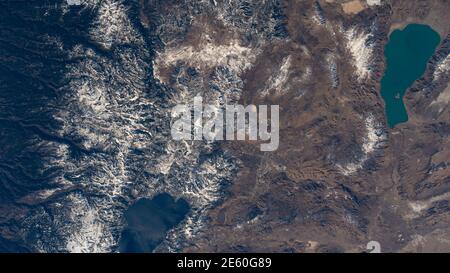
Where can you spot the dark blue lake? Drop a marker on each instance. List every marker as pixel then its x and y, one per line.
pixel 148 221
pixel 407 54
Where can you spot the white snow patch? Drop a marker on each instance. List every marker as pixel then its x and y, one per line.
pixel 442 100
pixel 442 67
pixel 333 70
pixel 83 3
pixel 360 51
pixel 91 236
pixel 73 2
pixel 234 56
pixel 373 2
pixel 373 140
pixel 113 26
pixel 374 136
pixel 419 206
pixel 277 83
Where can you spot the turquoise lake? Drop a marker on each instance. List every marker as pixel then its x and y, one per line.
pixel 407 53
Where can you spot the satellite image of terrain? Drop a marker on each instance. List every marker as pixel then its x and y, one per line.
pixel 88 162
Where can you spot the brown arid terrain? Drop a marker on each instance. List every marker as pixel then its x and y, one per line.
pixel 340 177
